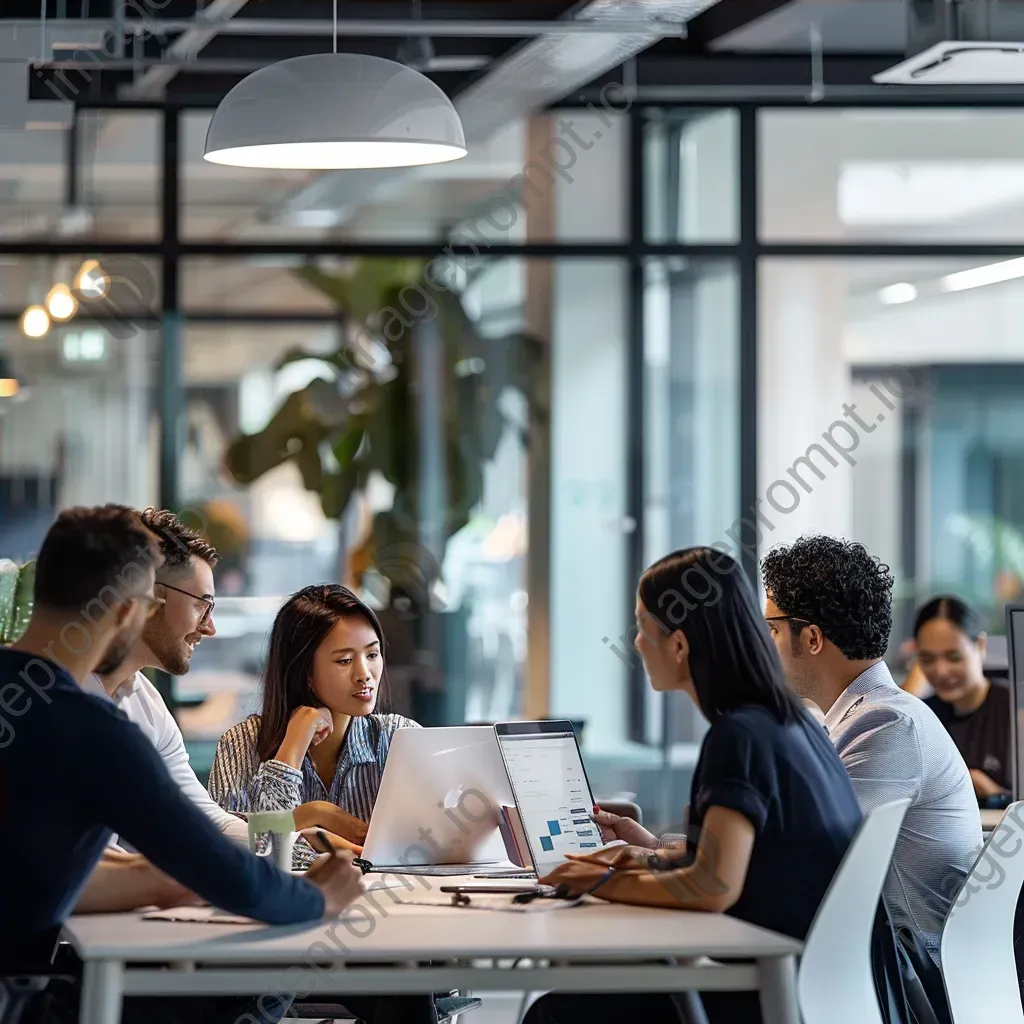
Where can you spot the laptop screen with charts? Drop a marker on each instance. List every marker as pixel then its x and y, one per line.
pixel 551 790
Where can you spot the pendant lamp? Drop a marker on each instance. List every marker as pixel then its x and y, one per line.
pixel 334 111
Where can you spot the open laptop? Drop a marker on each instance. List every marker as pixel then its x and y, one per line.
pixel 551 790
pixel 438 805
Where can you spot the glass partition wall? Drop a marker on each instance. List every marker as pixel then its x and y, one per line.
pixel 586 361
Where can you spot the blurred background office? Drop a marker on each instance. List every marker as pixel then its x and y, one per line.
pixel 670 265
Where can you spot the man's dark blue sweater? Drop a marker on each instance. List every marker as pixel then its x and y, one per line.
pixel 73 770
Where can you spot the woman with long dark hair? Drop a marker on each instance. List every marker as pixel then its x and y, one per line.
pixel 772 810
pixel 950 640
pixel 318 744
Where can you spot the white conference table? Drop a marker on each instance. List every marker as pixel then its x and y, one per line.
pixel 596 947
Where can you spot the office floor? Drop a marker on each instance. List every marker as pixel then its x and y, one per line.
pixel 498 1008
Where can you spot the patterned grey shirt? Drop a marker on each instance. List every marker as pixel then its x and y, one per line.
pixel 893 746
pixel 239 782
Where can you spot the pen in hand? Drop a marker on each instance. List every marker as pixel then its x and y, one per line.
pixel 328 845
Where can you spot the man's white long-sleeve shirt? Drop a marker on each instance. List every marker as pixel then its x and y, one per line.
pixel 140 700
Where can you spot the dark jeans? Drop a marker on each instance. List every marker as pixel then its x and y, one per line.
pixel 648 1007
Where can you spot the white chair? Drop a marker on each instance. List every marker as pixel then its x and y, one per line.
pixel 976 947
pixel 836 984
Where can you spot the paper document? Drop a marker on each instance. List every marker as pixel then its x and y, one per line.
pixel 210 915
pixel 205 915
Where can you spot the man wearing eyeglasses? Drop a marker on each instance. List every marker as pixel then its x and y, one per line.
pixel 829 609
pixel 178 623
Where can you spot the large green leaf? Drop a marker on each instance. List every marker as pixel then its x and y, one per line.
pixel 339 485
pixel 16 587
pixel 24 596
pixel 8 587
pixel 294 432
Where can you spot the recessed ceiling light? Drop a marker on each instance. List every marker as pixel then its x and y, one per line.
pixel 896 294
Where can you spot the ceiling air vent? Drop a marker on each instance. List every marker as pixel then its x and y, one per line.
pixel 961 42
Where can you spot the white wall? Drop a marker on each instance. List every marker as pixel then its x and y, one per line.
pixel 803 381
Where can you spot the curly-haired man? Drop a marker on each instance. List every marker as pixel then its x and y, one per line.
pixel 829 608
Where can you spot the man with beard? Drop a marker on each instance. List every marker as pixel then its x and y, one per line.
pixel 94 591
pixel 168 641
pixel 169 638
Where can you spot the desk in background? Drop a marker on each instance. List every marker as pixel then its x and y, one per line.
pixel 990 818
pixel 597 947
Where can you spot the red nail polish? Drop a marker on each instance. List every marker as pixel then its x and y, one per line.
pixel 597 810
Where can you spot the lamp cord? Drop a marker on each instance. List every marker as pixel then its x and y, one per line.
pixel 335 26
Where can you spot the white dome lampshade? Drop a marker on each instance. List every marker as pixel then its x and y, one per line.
pixel 333 111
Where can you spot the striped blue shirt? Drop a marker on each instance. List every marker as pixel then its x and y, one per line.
pixel 239 782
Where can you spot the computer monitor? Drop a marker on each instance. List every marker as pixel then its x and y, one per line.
pixel 1015 660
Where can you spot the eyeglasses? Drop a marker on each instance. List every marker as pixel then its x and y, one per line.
pixel 788 618
pixel 209 602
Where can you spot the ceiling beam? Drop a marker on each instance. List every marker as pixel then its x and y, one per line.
pixel 154 81
pixel 407 27
pixel 725 17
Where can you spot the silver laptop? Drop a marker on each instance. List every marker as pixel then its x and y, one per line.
pixel 439 803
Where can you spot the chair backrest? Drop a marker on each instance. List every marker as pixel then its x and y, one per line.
pixel 836 984
pixel 976 948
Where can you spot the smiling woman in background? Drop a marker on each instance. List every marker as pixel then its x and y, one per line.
pixel 950 651
pixel 317 742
